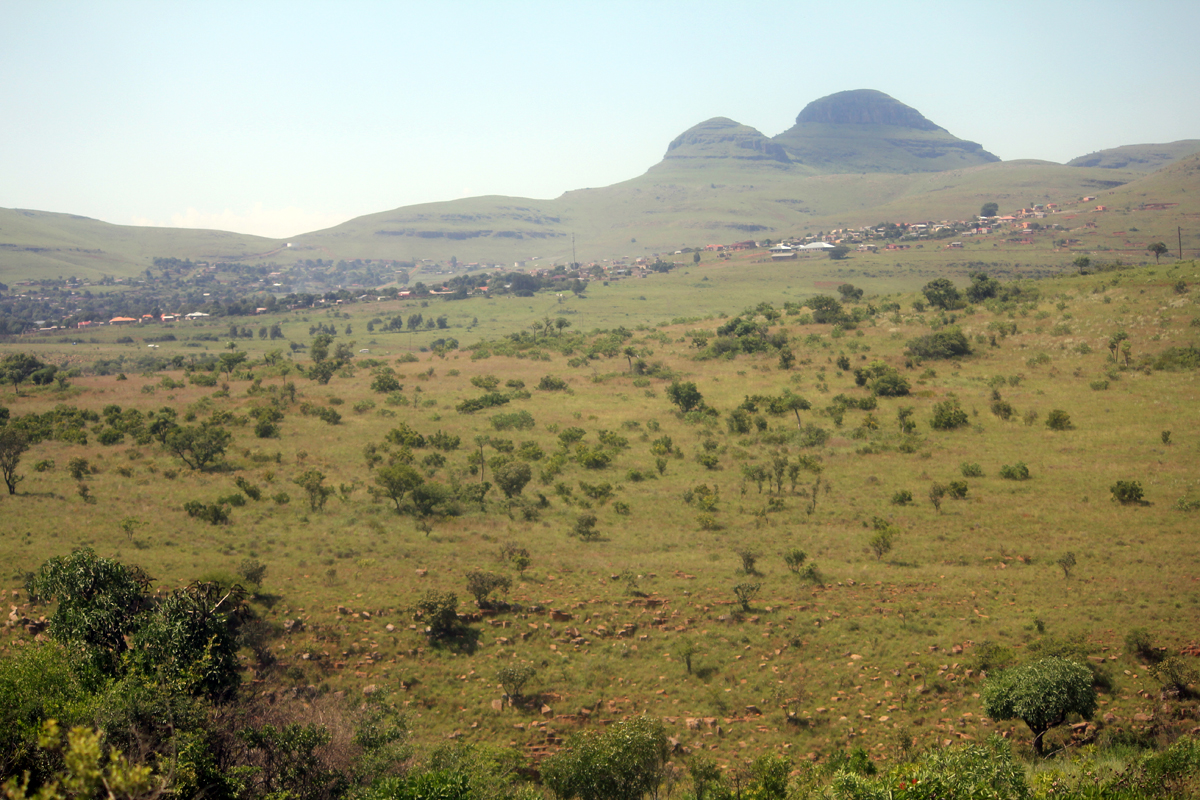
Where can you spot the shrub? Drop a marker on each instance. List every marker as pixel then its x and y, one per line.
pixel 549 383
pixel 1127 492
pixel 1059 420
pixel 902 498
pixel 481 584
pixel 946 343
pixel 1015 472
pixel 585 527
pixel 521 420
pixel 1139 644
pixel 957 490
pixel 794 559
pixel 971 470
pixel 948 415
pixel 745 593
pixel 439 612
pixel 749 559
pixel 513 679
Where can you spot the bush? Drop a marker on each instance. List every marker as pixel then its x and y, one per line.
pixel 1139 644
pixel 513 679
pixel 439 612
pixel 946 343
pixel 1015 472
pixel 948 415
pixel 549 383
pixel 902 498
pixel 971 470
pixel 481 584
pixel 1059 420
pixel 1127 492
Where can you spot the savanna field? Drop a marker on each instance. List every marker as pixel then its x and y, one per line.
pixel 799 528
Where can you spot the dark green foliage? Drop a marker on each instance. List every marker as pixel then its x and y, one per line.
pixel 199 445
pixel 1138 643
pixel 98 600
pixel 386 383
pixel 942 293
pixel 794 559
pixel 438 611
pixel 513 678
pixel 489 400
pixel 745 593
pixel 1059 420
pixel 13 443
pixel 396 481
pixel 512 477
pixel 1015 472
pixel 1127 493
pixel 481 584
pixel 948 415
pixel 549 383
pixel 312 481
pixel 212 513
pixel 625 760
pixel 521 420
pixel 957 490
pixel 405 436
pixel 289 761
pixel 1042 695
pixel 444 441
pixel 969 770
pixel 946 343
pixel 585 527
pixel 826 310
pixel 685 395
pixel 902 498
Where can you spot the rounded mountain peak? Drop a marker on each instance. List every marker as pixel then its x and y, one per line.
pixel 864 107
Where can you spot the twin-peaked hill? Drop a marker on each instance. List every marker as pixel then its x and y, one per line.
pixel 853 158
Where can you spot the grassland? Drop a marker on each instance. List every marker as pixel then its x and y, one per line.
pixel 873 649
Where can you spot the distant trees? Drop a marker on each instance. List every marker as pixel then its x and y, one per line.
pixel 989 210
pixel 1159 249
pixel 838 252
pixel 197 445
pixel 16 368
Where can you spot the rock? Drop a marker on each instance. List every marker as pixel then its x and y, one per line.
pixel 692 724
pixel 546 711
pixel 390 628
pixel 370 689
pixel 753 710
pixel 560 616
pixel 343 610
pixel 498 705
pixel 421 573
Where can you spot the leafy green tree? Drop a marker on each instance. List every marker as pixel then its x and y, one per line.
pixel 98 601
pixel 512 477
pixel 685 395
pixel 231 361
pixel 626 760
pixel 745 593
pixel 1159 249
pixel 942 292
pixel 189 637
pixel 396 481
pixel 312 481
pixel 481 584
pixel 13 443
pixel 1042 695
pixel 439 612
pixel 513 679
pixel 838 252
pixel 16 368
pixel 989 210
pixel 197 445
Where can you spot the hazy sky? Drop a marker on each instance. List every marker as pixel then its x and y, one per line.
pixel 279 118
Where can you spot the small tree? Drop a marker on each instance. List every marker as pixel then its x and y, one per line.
pixel 1067 563
pixel 685 651
pixel 745 593
pixel 989 210
pixel 585 527
pixel 512 477
pixel 13 443
pixel 481 584
pixel 749 559
pixel 1127 493
pixel 1042 695
pixel 685 395
pixel 513 678
pixel 439 612
pixel 1159 249
pixel 313 483
pixel 795 559
pixel 936 492
pixel 881 542
pixel 626 759
pixel 396 481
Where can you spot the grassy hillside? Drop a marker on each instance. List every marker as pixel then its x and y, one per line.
pixel 872 646
pixel 35 244
pixel 1143 157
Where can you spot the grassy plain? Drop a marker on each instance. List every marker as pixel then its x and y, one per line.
pixel 881 648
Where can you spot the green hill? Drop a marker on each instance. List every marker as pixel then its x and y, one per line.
pixel 1141 157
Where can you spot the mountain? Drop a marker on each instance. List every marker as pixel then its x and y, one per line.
pixel 722 138
pixel 852 158
pixel 1141 157
pixel 869 131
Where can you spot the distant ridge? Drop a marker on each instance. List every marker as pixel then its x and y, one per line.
pixel 1141 157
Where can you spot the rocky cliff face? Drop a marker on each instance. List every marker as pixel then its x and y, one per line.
pixel 864 107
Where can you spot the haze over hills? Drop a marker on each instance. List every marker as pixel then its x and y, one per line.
pixel 852 158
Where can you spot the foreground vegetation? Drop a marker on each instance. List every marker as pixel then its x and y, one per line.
pixel 827 545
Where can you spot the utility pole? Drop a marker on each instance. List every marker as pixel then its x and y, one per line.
pixel 1179 233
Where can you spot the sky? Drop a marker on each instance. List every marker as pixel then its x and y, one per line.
pixel 277 118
